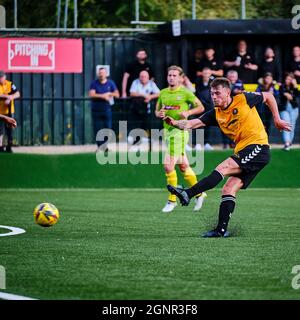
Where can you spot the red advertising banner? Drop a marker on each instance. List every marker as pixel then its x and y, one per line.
pixel 41 55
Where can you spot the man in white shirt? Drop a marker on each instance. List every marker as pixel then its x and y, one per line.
pixel 143 91
pixel 144 87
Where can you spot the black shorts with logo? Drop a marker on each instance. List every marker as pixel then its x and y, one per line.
pixel 252 159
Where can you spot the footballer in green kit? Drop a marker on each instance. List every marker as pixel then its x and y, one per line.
pixel 175 101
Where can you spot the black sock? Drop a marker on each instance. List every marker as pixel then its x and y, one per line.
pixel 226 209
pixel 206 183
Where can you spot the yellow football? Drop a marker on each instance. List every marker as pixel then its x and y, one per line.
pixel 46 214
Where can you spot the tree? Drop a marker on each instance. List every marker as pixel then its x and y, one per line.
pixel 119 13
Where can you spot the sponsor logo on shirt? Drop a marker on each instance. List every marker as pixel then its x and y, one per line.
pixel 171 107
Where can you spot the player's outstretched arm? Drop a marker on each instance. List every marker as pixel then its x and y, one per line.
pixel 184 124
pixel 272 104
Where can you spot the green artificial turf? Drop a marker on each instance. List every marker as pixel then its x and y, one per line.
pixel 112 244
pixel 83 171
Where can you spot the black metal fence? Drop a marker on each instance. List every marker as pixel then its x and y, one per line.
pixel 68 120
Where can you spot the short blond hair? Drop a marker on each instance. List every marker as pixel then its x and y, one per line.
pixel 176 68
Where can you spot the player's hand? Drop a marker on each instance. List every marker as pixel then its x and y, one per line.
pixel 11 122
pixel 161 113
pixel 184 114
pixel 170 121
pixel 283 125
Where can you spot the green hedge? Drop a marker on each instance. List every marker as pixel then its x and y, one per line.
pixel 82 171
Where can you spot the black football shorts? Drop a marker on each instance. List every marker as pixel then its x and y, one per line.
pixel 252 159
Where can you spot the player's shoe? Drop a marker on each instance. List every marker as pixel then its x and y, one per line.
pixel 180 193
pixel 215 234
pixel 199 201
pixel 169 207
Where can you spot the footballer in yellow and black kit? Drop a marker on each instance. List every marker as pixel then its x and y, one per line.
pixel 241 122
pixel 238 119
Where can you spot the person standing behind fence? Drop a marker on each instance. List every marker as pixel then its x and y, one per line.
pixel 133 70
pixel 143 91
pixel 294 63
pixel 102 93
pixel 270 65
pixel 210 61
pixel 243 62
pixel 203 94
pixel 8 93
pixel 289 107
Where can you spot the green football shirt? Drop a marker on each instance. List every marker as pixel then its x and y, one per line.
pixel 174 102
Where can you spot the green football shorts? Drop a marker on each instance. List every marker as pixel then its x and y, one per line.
pixel 176 141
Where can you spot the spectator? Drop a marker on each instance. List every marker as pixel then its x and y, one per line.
pixel 102 93
pixel 187 83
pixel 289 107
pixel 133 70
pixel 243 62
pixel 203 94
pixel 270 65
pixel 294 65
pixel 210 61
pixel 8 93
pixel 237 85
pixel 203 90
pixel 267 85
pixel 143 91
pixel 194 64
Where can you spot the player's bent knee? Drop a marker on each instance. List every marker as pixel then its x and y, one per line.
pixel 228 167
pixel 183 167
pixel 169 168
pixel 223 169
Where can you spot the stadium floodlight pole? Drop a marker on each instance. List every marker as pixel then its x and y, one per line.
pixel 243 9
pixel 194 9
pixel 137 10
pixel 66 14
pixel 16 14
pixel 58 13
pixel 75 14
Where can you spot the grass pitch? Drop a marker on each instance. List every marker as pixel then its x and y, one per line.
pixel 116 244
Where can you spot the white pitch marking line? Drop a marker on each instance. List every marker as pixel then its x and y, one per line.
pixel 9 296
pixel 14 231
